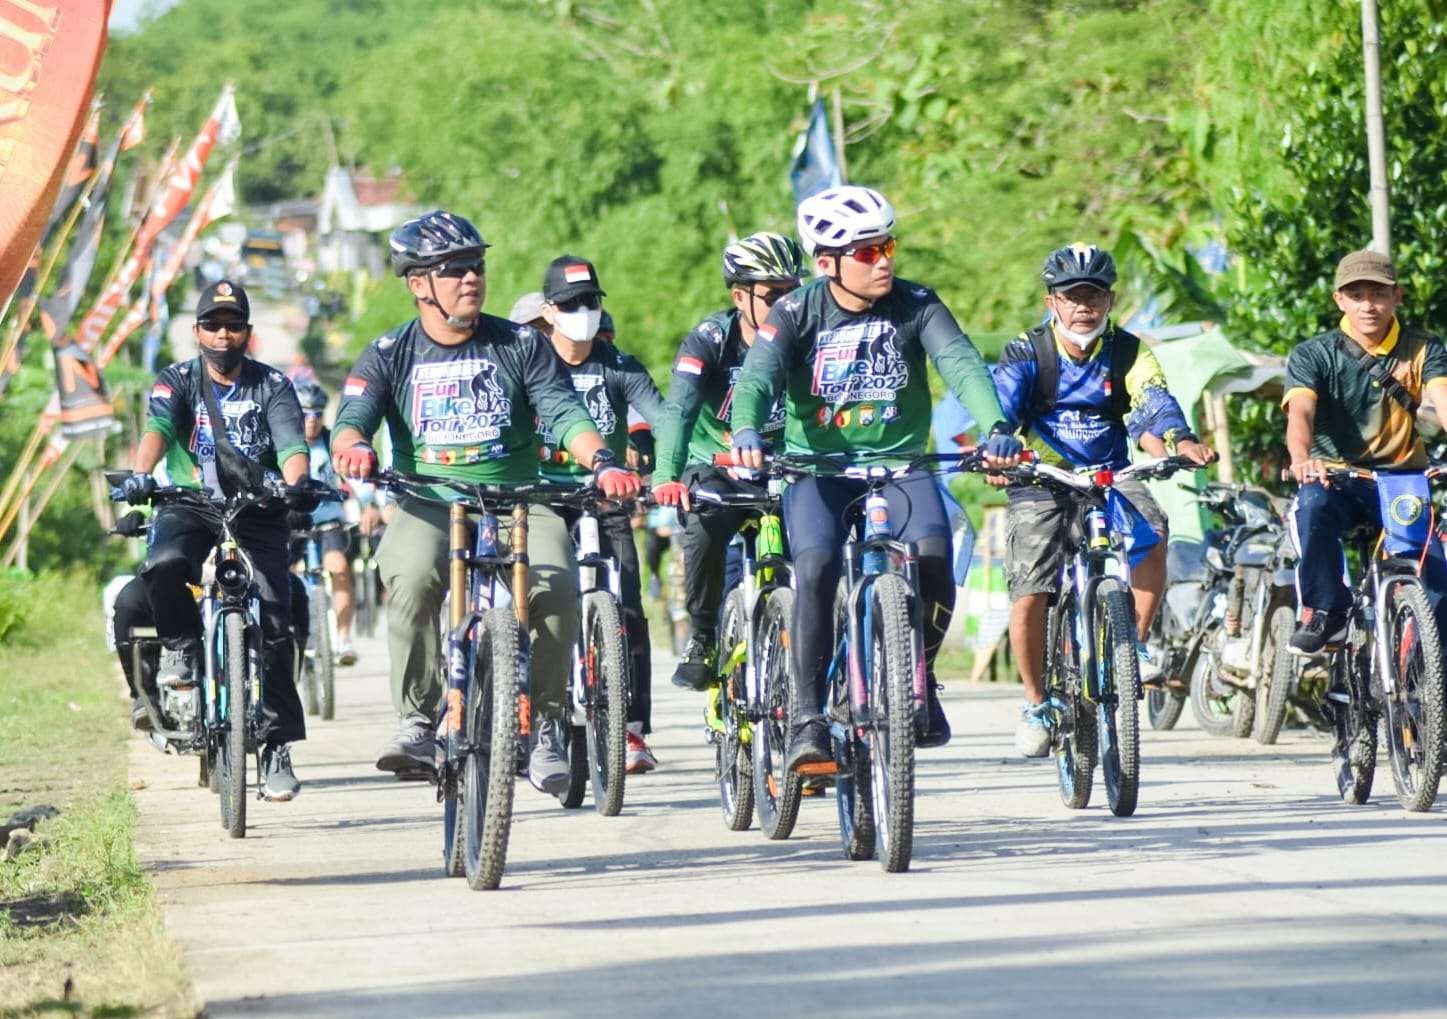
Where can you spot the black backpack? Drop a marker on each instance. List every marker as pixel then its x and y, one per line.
pixel 1123 349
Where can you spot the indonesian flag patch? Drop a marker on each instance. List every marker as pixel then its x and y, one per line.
pixel 768 332
pixel 689 365
pixel 354 386
pixel 577 273
pixel 161 391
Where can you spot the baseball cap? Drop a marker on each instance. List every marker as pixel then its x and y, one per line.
pixel 1367 265
pixel 568 277
pixel 527 309
pixel 223 295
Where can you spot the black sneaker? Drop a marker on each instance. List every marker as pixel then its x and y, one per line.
pixel 938 733
pixel 278 781
pixel 1321 629
pixel 698 665
pixel 809 744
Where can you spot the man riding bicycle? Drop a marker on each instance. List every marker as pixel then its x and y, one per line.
pixel 461 392
pixel 609 382
pixel 1080 389
pixel 1351 401
pixel 262 427
pixel 758 270
pixel 848 350
pixel 336 546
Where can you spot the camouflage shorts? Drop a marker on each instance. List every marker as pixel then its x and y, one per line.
pixel 1037 534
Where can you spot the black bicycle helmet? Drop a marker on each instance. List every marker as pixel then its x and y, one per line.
pixel 1078 263
pixel 763 258
pixel 312 396
pixel 436 237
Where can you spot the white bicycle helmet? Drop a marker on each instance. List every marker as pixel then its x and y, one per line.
pixel 841 217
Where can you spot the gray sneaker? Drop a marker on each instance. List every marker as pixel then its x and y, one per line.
pixel 548 764
pixel 413 748
pixel 175 667
pixel 278 781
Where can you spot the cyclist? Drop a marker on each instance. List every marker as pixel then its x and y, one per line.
pixel 1351 400
pixel 758 270
pixel 461 392
pixel 263 424
pixel 1080 389
pixel 848 350
pixel 335 544
pixel 609 382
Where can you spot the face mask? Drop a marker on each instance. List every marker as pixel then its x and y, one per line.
pixel 579 326
pixel 1080 340
pixel 225 360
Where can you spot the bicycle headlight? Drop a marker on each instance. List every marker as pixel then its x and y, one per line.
pixel 231 576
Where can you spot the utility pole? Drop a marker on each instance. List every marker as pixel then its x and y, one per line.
pixel 1376 133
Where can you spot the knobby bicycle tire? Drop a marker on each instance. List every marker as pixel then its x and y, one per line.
pixel 733 756
pixel 321 624
pixel 1120 747
pixel 233 740
pixel 492 735
pixel 777 791
pixel 607 738
pixel 1075 749
pixel 1414 719
pixel 891 749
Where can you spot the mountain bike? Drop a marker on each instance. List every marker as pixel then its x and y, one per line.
pixel 1092 667
pixel 1388 670
pixel 218 718
pixel 317 668
pixel 600 687
pixel 367 583
pixel 746 719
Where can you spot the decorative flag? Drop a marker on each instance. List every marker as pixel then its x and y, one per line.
pixel 84 407
pixel 815 166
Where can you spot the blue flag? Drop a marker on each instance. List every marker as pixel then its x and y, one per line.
pixel 1406 501
pixel 815 167
pixel 1128 522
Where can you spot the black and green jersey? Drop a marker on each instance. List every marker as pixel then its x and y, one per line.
pixel 609 382
pixel 696 420
pixel 263 420
pixel 467 412
pixel 1357 423
pixel 855 381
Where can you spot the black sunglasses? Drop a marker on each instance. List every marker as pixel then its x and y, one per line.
pixel 459 269
pixel 215 325
pixel 589 301
pixel 771 297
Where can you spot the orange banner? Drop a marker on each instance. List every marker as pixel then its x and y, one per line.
pixel 49 52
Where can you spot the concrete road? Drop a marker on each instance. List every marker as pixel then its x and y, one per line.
pixel 1243 886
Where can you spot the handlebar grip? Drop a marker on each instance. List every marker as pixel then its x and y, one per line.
pixel 723 459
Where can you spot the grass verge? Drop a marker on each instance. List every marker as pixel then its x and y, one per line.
pixel 80 928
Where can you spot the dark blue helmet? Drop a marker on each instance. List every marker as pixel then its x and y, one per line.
pixel 428 240
pixel 311 396
pixel 1079 263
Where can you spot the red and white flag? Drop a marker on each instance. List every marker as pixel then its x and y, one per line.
pixel 689 366
pixel 577 273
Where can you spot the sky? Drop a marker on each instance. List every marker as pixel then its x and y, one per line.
pixel 126 14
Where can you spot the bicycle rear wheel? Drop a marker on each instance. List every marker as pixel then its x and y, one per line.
pixel 1413 717
pixel 1354 723
pixel 733 755
pixel 366 607
pixel 1119 706
pixel 891 734
pixel 777 790
pixel 492 739
pixel 231 760
pixel 605 671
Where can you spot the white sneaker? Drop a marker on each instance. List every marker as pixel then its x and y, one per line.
pixel 1150 665
pixel 1032 735
pixel 640 758
pixel 346 652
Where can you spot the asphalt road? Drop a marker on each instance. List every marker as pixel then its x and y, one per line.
pixel 1243 886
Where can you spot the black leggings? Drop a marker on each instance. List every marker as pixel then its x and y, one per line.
pixel 815 514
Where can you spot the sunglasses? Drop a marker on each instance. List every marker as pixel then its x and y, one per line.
pixel 215 325
pixel 311 415
pixel 871 253
pixel 457 270
pixel 771 297
pixel 589 301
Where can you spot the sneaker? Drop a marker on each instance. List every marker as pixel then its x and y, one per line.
pixel 1320 629
pixel 140 720
pixel 278 781
pixel 809 744
pixel 413 748
pixel 640 758
pixel 938 733
pixel 1032 735
pixel 1152 675
pixel 548 769
pixel 698 665
pixel 655 589
pixel 175 668
pixel 346 652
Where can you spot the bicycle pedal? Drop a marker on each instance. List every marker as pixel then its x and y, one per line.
pixel 1338 697
pixel 817 768
pixel 417 775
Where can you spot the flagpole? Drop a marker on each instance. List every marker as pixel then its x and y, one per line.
pixel 29 486
pixel 67 461
pixel 32 446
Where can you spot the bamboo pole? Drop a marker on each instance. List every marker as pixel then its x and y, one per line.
pixel 66 461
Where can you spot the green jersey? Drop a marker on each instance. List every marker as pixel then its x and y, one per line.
pixel 609 382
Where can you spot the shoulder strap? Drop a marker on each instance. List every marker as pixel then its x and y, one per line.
pixel 1047 369
pixel 234 472
pixel 1123 350
pixel 1379 370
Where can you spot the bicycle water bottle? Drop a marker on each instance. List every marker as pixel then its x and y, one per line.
pixel 876 525
pixel 588 545
pixel 770 541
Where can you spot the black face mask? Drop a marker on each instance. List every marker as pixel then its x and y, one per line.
pixel 224 360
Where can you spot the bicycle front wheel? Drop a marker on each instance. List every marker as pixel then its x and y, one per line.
pixel 891 735
pixel 492 738
pixel 1413 719
pixel 605 673
pixel 232 757
pixel 1119 706
pixel 777 790
pixel 1075 747
pixel 324 667
pixel 734 760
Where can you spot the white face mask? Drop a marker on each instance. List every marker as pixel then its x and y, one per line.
pixel 579 326
pixel 1080 340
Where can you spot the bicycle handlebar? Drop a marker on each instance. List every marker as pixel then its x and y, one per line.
pixel 475 494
